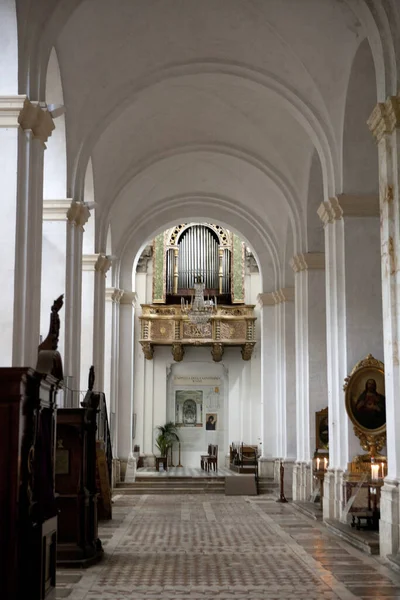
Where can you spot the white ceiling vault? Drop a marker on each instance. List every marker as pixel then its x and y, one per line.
pixel 231 111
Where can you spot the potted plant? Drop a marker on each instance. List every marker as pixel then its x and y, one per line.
pixel 167 435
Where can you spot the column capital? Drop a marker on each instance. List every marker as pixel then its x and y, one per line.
pixel 89 261
pixel 37 118
pixel 78 214
pixel 277 297
pixel 114 294
pixel 10 108
pixel 129 298
pixel 330 211
pixel 56 210
pixel 103 263
pixel 308 261
pixel 385 117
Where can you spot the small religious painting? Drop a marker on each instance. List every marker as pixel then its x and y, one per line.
pixel 211 421
pixel 322 429
pixel 189 408
pixel 365 396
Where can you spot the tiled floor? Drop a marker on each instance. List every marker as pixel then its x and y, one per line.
pixel 206 547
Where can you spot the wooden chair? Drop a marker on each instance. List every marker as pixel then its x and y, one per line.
pixel 204 459
pixel 212 460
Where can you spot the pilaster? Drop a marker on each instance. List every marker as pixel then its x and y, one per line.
pixel 77 216
pixel 384 124
pixel 311 387
pixel 101 267
pixel 111 359
pixel 125 375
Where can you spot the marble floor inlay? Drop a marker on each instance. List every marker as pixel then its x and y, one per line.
pixel 205 547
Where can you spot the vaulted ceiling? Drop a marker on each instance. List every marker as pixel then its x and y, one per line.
pixel 231 110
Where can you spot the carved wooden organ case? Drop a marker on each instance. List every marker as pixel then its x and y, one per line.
pixel 185 254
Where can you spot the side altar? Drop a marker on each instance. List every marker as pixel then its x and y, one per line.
pixel 168 325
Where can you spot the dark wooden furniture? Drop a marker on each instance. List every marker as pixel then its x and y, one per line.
pixel 204 458
pixel 28 512
pixel 77 494
pixel 243 458
pixel 161 460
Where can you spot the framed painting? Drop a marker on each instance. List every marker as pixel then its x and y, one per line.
pixel 365 403
pixel 322 429
pixel 211 421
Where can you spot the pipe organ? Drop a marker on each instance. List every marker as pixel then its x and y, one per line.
pixel 182 256
pixel 198 253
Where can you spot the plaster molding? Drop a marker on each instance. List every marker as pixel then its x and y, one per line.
pixel 348 205
pixel 284 295
pixel 78 214
pixel 129 298
pixel 103 263
pixel 114 294
pixel 56 210
pixel 364 205
pixel 89 262
pixel 308 261
pixel 266 299
pixel 10 108
pixel 277 297
pixel 35 117
pixel 385 117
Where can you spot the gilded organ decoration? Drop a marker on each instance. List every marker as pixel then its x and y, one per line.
pixel 185 256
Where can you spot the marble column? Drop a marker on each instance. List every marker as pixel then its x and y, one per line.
pixel 111 358
pixel 311 388
pixel 385 126
pixel 124 410
pixel 78 214
pixel 24 129
pixel 353 320
pixel 103 263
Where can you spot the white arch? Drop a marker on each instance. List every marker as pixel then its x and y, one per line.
pixel 197 207
pixel 281 183
pixel 320 133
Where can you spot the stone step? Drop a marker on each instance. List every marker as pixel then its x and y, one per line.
pixel 132 491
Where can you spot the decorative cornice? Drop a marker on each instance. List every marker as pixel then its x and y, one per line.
pixel 10 108
pixel 277 297
pixel 348 205
pixel 385 117
pixel 103 263
pixel 56 210
pixel 129 298
pixel 89 262
pixel 308 261
pixel 284 295
pixel 78 214
pixel 114 294
pixel 266 299
pixel 37 118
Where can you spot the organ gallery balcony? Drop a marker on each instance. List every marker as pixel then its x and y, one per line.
pixel 168 326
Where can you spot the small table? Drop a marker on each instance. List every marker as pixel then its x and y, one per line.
pixel 366 517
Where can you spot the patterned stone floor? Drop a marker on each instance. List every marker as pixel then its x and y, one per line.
pixel 185 472
pixel 206 547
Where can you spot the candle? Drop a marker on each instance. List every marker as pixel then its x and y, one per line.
pixel 318 460
pixel 375 472
pixel 325 463
pixel 383 470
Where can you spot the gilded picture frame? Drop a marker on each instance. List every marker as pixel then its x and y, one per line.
pixel 365 403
